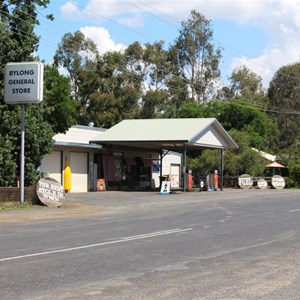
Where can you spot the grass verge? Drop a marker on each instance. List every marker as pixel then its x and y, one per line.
pixel 15 205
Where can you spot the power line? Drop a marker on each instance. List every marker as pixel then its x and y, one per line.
pixel 163 14
pixel 154 9
pixel 277 110
pixel 281 110
pixel 271 109
pixel 153 15
pixel 113 21
pixel 236 51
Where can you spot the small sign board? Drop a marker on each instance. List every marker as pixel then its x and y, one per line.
pixel 101 184
pixel 165 187
pixel 262 183
pixel 23 82
pixel 278 182
pixel 50 192
pixel 245 181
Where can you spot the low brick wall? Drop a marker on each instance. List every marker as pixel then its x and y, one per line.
pixel 13 194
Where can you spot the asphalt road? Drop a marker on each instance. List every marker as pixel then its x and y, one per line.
pixel 239 244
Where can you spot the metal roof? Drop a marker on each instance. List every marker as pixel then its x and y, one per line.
pixel 78 136
pixel 170 134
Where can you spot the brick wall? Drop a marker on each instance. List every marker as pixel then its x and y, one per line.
pixel 13 194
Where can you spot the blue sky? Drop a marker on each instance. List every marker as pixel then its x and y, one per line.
pixel 262 34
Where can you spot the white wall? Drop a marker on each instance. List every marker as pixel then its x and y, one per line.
pixel 51 165
pixel 80 160
pixel 169 161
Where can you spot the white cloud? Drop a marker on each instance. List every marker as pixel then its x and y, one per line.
pixel 281 22
pixel 102 39
pixel 70 10
pixel 270 60
pixel 109 8
pixel 96 10
pixel 134 21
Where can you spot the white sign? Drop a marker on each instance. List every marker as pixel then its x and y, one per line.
pixel 262 183
pixel 245 181
pixel 278 182
pixel 165 187
pixel 50 192
pixel 23 83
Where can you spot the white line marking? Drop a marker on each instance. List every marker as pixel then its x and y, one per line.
pixel 294 210
pixel 122 240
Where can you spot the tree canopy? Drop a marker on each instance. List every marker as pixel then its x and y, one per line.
pixel 148 80
pixel 197 57
pixel 18 42
pixel 284 100
pixel 144 81
pixel 240 115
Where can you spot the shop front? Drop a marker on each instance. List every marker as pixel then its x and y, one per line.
pixel 137 171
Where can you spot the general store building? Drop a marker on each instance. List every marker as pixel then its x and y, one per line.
pixel 134 154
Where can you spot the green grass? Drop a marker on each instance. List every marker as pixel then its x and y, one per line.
pixel 15 205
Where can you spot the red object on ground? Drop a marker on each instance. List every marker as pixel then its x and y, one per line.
pixel 189 182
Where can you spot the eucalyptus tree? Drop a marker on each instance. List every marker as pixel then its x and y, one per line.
pixel 160 98
pixel 163 91
pixel 246 84
pixel 284 97
pixel 119 89
pixel 78 55
pixel 197 57
pixel 134 84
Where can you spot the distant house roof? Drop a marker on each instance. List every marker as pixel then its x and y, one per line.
pixel 266 155
pixel 79 136
pixel 170 134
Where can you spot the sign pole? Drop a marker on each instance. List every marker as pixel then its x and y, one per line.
pixel 22 157
pixel 23 84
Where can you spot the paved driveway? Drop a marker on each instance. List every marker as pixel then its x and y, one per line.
pixel 116 202
pixel 104 203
